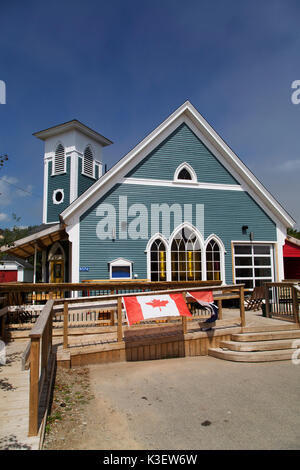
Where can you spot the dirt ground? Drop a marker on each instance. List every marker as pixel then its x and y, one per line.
pixel 186 403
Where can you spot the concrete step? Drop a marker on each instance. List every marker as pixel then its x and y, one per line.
pixel 258 356
pixel 267 336
pixel 272 345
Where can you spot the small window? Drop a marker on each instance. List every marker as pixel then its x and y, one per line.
pixel 59 160
pixel 88 162
pixel 120 269
pixel 184 174
pixel 120 272
pixel 58 196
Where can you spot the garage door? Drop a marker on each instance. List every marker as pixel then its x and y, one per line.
pixel 8 276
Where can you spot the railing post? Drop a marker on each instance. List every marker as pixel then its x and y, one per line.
pixel 66 315
pixel 34 387
pixel 120 329
pixel 242 306
pixel 295 304
pixel 267 301
pixel 220 312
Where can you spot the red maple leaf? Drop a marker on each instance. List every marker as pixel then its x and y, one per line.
pixel 158 303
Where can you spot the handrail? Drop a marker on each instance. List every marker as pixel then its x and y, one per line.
pixel 40 353
pixel 100 285
pixel 284 299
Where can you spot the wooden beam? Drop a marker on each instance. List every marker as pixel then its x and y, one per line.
pixel 34 387
pixel 120 329
pixel 66 319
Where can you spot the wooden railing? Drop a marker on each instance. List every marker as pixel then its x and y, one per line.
pixel 40 358
pixel 282 300
pixel 113 304
pixel 29 293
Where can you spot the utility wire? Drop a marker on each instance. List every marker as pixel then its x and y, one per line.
pixel 21 189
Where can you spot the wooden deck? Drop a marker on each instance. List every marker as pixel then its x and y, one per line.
pixel 14 401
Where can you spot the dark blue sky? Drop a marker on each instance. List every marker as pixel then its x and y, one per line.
pixel 122 67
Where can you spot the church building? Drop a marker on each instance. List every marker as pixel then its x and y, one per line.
pixel 179 206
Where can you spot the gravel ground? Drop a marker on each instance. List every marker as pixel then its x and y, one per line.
pixel 186 403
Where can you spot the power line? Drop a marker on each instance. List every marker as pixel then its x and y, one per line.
pixel 21 189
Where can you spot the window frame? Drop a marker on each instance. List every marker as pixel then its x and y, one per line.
pixel 93 162
pixel 191 171
pixel 240 279
pixel 120 262
pixel 64 170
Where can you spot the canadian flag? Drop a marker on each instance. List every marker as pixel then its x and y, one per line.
pixel 144 307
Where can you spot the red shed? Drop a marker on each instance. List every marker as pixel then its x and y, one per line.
pixel 291 258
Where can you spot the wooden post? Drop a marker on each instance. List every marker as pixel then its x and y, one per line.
pixel 66 314
pixel 184 319
pixel 112 318
pixel 120 330
pixel 2 332
pixel 220 312
pixel 295 305
pixel 267 301
pixel 242 306
pixel 34 387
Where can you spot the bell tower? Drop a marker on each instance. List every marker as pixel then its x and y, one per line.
pixel 72 163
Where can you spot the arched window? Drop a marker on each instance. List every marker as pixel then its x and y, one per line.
pixel 158 260
pixel 186 256
pixel 59 160
pixel 88 162
pixel 184 174
pixel 213 261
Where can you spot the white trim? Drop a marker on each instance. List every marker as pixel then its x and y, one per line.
pixel 218 240
pixel 93 163
pixel 45 196
pixel 201 242
pixel 54 195
pixel 189 169
pixel 74 176
pixel 120 262
pixel 185 113
pixel 252 255
pixel 158 236
pixel 73 230
pixel 53 172
pixel 182 184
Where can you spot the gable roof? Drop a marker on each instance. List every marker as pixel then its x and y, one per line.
pixel 188 114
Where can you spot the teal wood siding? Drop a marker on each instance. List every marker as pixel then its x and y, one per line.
pixel 225 212
pixel 182 146
pixel 84 182
pixel 58 182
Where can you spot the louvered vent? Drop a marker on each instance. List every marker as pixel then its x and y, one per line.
pixel 59 160
pixel 88 162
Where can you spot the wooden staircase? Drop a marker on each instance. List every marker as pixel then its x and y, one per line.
pixel 259 344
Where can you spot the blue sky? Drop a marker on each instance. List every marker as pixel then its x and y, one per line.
pixel 122 67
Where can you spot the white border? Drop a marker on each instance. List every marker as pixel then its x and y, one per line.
pixel 189 169
pixel 120 262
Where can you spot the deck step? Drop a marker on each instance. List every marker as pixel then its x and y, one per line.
pixel 249 346
pixel 258 356
pixel 261 329
pixel 267 336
